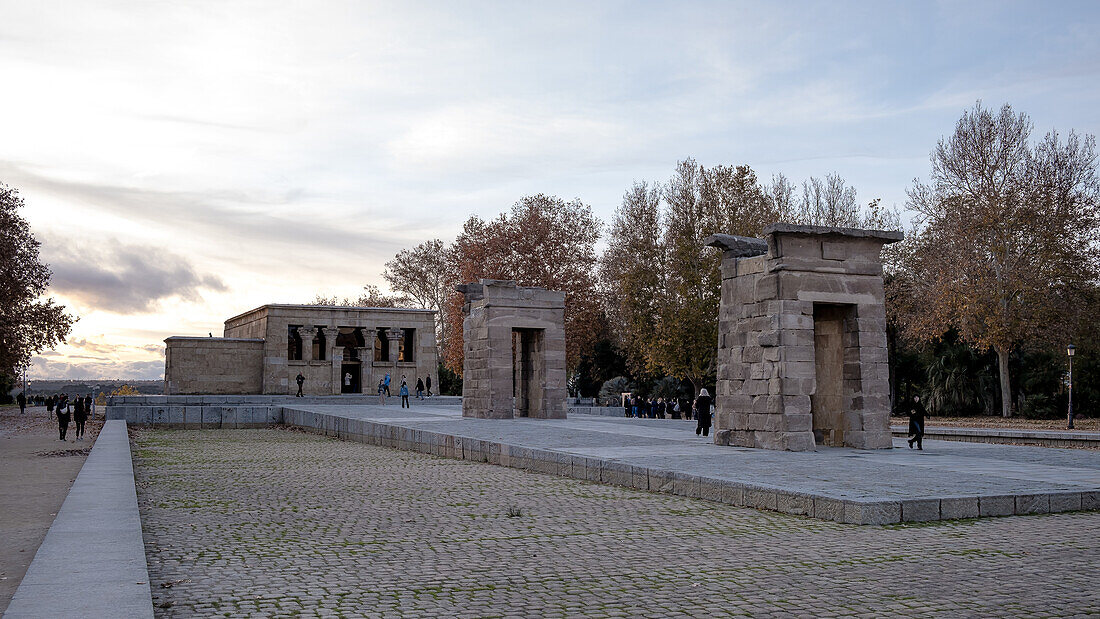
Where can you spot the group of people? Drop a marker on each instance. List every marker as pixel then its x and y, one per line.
pixel 680 408
pixel 421 386
pixel 75 410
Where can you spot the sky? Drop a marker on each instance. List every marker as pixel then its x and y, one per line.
pixel 183 162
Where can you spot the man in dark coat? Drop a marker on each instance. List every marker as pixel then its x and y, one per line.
pixel 301 381
pixel 88 408
pixel 22 399
pixel 62 416
pixel 916 423
pixel 49 406
pixel 428 385
pixel 80 416
pixel 702 413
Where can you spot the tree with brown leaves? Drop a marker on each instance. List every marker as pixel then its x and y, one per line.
pixel 544 241
pixel 1007 241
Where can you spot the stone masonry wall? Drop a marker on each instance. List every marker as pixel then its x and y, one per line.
pixel 768 365
pixel 494 310
pixel 195 365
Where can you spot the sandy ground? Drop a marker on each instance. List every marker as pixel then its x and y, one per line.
pixel 36 472
pixel 1080 424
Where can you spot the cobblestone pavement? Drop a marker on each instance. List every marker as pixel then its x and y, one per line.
pixel 281 523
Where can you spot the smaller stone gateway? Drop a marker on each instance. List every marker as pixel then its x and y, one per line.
pixel 514 346
pixel 802 339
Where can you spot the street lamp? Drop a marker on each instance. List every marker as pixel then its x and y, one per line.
pixel 1069 415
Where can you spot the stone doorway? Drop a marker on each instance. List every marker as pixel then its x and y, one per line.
pixel 349 378
pixel 832 330
pixel 527 364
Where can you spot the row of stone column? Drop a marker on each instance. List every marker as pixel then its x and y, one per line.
pixel 366 353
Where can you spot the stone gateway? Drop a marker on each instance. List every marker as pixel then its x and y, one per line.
pixel 514 347
pixel 802 339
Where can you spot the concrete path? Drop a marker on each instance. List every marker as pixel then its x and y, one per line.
pixel 946 480
pixel 92 562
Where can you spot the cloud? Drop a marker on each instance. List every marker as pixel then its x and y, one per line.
pixel 125 279
pixel 60 370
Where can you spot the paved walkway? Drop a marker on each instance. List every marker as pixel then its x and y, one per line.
pixel 283 523
pixel 91 563
pixel 1048 479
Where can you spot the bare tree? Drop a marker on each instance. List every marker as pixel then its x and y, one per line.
pixel 1007 239
pixel 422 274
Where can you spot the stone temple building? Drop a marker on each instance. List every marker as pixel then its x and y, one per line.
pixel 802 339
pixel 339 350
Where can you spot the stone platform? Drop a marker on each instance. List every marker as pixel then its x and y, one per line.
pixel 947 480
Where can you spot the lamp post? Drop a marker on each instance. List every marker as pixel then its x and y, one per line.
pixel 1069 414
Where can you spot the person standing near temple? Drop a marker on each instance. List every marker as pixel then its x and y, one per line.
pixel 428 385
pixel 702 413
pixel 80 416
pixel 22 399
pixel 62 416
pixel 382 391
pixel 301 381
pixel 419 388
pixel 404 393
pixel 916 423
pixel 387 383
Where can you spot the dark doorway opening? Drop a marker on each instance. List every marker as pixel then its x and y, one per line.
pixel 833 335
pixel 528 383
pixel 349 378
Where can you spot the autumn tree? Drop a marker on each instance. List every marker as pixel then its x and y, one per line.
pixel 422 275
pixel 372 296
pixel 544 241
pixel 631 275
pixel 1007 238
pixel 29 323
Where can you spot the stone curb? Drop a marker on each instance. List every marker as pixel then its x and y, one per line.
pixel 92 562
pixel 618 473
pixel 1042 438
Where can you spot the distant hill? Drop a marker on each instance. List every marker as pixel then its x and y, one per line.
pixel 48 387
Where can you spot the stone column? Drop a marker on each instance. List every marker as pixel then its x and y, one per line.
pixel 336 359
pixel 366 358
pixel 307 334
pixel 394 337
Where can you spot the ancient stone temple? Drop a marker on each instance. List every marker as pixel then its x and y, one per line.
pixel 514 346
pixel 802 339
pixel 338 350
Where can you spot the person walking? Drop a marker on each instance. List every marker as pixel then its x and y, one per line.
pixel 387 385
pixel 404 393
pixel 62 416
pixel 49 405
pixel 419 388
pixel 702 412
pixel 22 399
pixel 382 391
pixel 428 385
pixel 675 414
pixel 88 410
pixel 916 423
pixel 301 380
pixel 626 407
pixel 80 416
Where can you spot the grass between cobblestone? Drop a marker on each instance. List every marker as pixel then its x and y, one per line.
pixel 281 523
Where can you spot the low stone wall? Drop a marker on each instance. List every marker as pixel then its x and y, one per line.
pixel 92 562
pixel 231 411
pixel 607 411
pixel 1040 438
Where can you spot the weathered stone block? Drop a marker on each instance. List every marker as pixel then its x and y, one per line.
pixel 920 510
pixel 1033 504
pixel 996 506
pixel 1065 502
